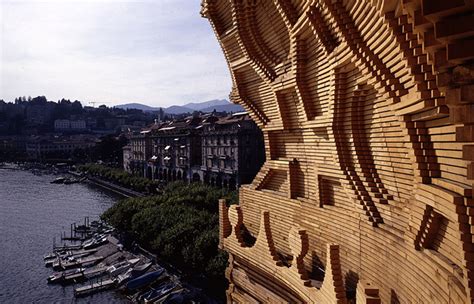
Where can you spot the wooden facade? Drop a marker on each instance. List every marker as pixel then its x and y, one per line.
pixel 367 111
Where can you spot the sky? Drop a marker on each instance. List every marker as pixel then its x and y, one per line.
pixel 155 52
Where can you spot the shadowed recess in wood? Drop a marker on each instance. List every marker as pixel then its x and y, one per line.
pixel 367 108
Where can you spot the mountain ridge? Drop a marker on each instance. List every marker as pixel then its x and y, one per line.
pixel 220 105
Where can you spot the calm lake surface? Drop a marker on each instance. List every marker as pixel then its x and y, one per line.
pixel 32 212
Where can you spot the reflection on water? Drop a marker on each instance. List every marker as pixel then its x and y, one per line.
pixel 32 212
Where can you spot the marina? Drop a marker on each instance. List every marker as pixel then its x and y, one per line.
pixel 33 212
pixel 87 260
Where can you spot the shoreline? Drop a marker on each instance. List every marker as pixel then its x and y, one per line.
pixel 125 192
pixel 94 181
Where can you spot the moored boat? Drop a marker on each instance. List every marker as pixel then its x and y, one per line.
pixel 58 277
pixel 144 280
pixel 121 267
pixel 59 180
pixel 160 292
pixel 133 273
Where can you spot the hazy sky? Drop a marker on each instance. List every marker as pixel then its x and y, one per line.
pixel 157 52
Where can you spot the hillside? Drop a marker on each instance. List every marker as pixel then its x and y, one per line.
pixel 137 106
pixel 178 110
pixel 198 106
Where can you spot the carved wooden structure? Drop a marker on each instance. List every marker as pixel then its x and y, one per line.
pixel 367 111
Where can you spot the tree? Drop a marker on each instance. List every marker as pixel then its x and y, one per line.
pixel 39 100
pixel 76 107
pixel 181 225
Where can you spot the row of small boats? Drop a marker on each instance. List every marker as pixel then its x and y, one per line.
pixel 139 278
pixel 147 283
pixel 68 257
pixel 55 258
pixel 95 241
pixel 152 287
pixel 157 293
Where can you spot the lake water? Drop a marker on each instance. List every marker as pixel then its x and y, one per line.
pixel 32 213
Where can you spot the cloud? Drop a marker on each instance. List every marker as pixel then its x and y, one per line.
pixel 155 52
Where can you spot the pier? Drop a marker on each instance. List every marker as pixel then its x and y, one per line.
pixel 94 287
pixel 79 263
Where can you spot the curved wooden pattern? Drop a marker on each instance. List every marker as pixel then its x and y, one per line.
pixel 367 108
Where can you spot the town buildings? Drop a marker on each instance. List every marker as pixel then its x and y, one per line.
pixel 66 125
pixel 367 113
pixel 38 116
pixel 232 150
pixel 176 150
pixel 221 151
pixel 139 151
pixel 44 147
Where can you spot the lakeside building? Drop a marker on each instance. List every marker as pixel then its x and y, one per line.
pixel 139 153
pixel 12 145
pixel 176 150
pixel 232 150
pixel 222 151
pixel 43 147
pixel 367 110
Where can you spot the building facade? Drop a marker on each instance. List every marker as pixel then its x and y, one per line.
pixel 220 151
pixel 176 150
pixel 367 113
pixel 62 124
pixel 78 125
pixel 139 153
pixel 44 147
pixel 232 150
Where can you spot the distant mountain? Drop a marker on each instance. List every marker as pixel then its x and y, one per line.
pixel 229 107
pixel 198 106
pixel 137 106
pixel 220 105
pixel 178 110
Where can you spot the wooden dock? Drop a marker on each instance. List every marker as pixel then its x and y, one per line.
pixel 79 263
pixel 87 274
pixel 94 287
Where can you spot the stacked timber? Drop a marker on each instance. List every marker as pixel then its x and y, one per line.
pixel 367 109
